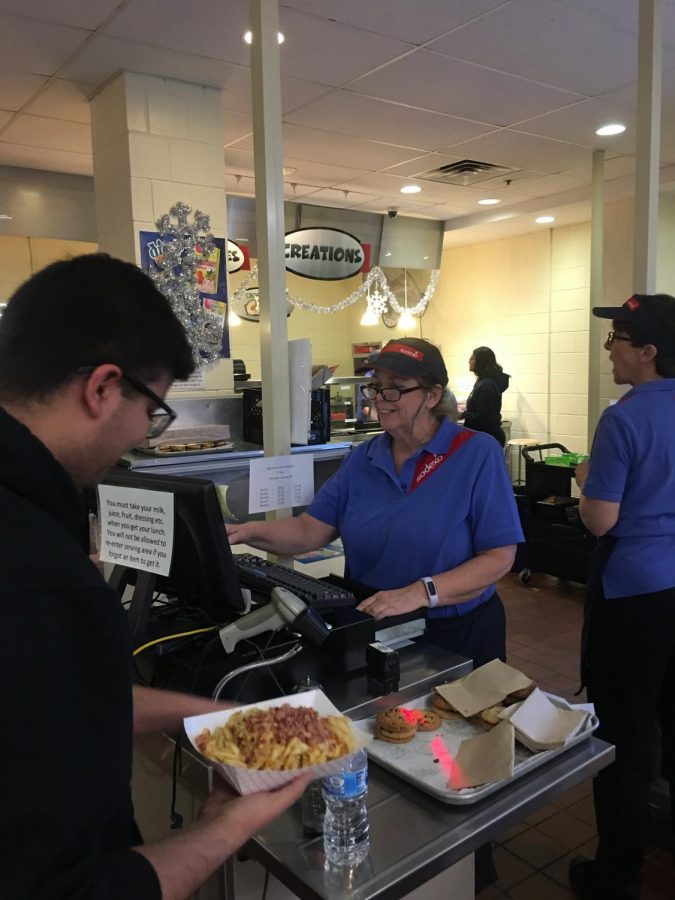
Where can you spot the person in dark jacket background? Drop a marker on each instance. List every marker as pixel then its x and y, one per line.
pixel 484 403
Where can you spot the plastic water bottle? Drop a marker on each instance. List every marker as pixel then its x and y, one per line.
pixel 346 838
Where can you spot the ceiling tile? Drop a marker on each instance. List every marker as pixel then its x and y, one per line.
pixel 521 151
pixel 554 184
pixel 294 191
pixel 63 12
pixel 443 210
pixel 236 127
pixel 307 173
pixel 415 22
pixel 626 96
pixel 38 131
pixel 311 144
pixel 579 122
pixel 378 120
pixel 623 14
pixel 105 55
pixel 237 90
pixel 565 47
pixel 64 100
pixel 28 46
pixel 216 31
pixel 614 168
pixel 435 82
pixel 239 161
pixel 423 163
pixel 320 173
pixel 336 198
pixel 45 158
pixel 16 88
pixel 432 192
pixel 309 51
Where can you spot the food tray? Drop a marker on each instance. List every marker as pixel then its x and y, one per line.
pixel 157 451
pixel 414 761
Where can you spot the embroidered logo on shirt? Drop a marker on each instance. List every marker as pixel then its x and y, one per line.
pixel 429 462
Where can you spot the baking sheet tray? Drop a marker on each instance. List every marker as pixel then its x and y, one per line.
pixel 414 761
pixel 157 451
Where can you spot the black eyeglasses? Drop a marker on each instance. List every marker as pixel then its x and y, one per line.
pixel 390 395
pixel 160 418
pixel 613 336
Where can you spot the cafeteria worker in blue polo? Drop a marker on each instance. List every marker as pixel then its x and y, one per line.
pixel 425 511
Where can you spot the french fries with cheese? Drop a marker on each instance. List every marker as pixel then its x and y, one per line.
pixel 280 737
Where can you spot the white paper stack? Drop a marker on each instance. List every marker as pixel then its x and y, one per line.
pixel 541 725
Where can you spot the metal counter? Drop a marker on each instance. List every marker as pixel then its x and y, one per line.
pixel 211 463
pixel 414 837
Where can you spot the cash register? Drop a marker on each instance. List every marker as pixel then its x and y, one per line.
pixel 176 619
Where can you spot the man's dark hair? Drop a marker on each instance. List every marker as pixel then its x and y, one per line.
pixel 662 309
pixel 87 311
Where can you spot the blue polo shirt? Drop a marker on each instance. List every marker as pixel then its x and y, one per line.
pixel 633 463
pixel 438 513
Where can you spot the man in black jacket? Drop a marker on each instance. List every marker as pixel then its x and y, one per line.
pixel 88 348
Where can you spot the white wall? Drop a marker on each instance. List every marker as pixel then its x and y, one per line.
pixel 526 298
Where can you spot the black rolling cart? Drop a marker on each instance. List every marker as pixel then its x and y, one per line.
pixel 556 541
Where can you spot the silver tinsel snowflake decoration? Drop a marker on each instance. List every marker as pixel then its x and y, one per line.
pixel 184 243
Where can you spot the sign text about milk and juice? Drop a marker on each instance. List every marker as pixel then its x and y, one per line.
pixel 136 528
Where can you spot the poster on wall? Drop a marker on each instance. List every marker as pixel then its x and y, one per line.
pixel 210 273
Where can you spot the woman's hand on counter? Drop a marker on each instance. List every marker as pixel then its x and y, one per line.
pixel 396 602
pixel 239 533
pixel 297 534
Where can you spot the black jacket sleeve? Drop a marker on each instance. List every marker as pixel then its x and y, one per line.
pixel 484 406
pixel 66 821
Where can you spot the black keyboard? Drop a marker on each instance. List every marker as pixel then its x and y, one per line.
pixel 263 576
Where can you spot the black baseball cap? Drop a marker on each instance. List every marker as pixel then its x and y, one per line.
pixel 412 357
pixel 646 313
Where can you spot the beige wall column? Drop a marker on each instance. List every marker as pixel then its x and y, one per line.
pixel 267 144
pixel 648 147
pixel 155 142
pixel 596 298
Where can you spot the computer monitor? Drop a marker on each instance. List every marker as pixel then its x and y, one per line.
pixel 202 573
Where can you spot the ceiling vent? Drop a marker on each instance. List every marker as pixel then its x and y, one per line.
pixel 467 172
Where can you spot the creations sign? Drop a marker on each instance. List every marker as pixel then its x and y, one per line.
pixel 325 254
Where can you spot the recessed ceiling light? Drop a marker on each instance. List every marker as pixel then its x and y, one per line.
pixel 608 130
pixel 248 37
pixel 288 170
pixel 544 220
pixel 388 253
pixel 411 189
pixel 489 201
pixel 4 216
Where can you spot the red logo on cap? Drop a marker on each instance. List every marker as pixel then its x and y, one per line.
pixel 405 350
pixel 632 304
